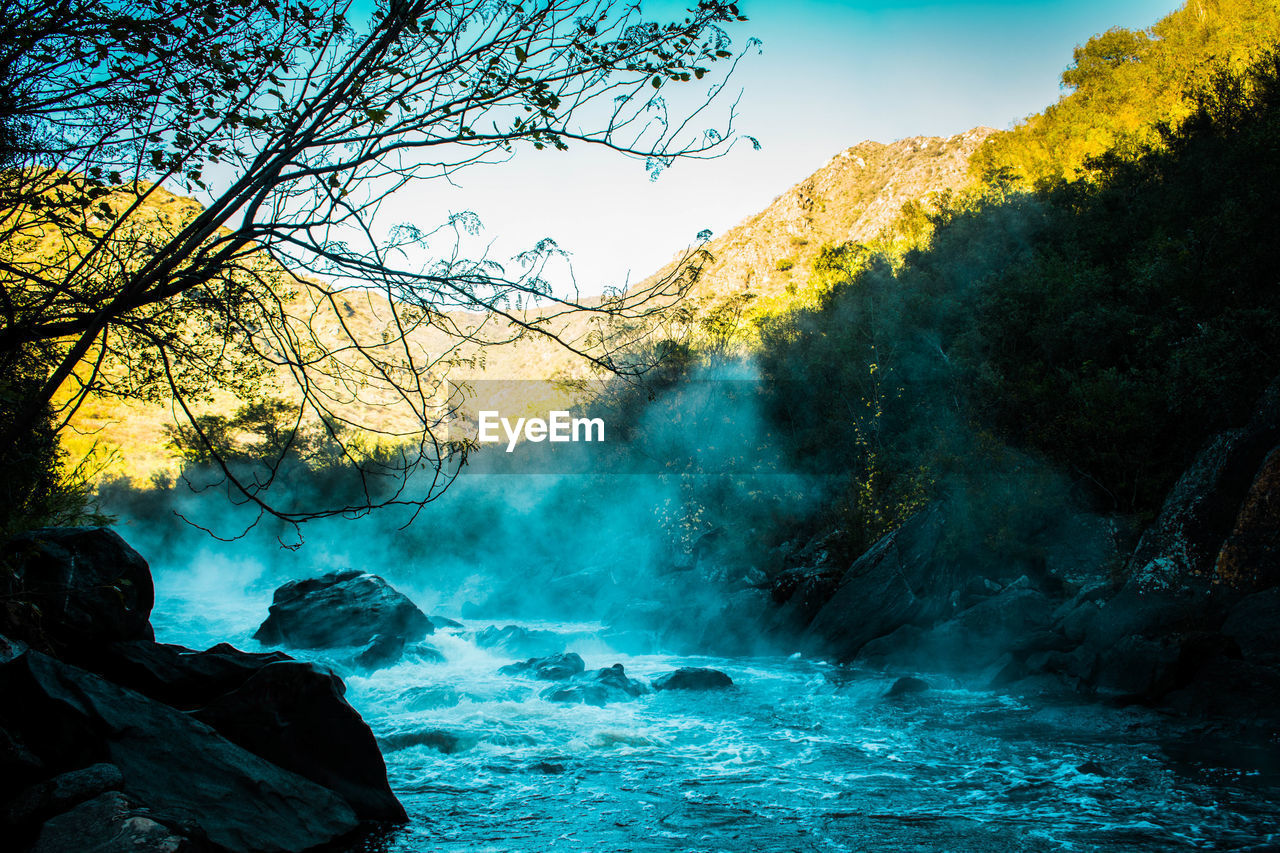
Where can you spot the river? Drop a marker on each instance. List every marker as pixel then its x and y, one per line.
pixel 800 755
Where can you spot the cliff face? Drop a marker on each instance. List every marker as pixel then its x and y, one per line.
pixel 854 196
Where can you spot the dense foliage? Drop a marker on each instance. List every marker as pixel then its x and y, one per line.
pixel 1108 326
pixel 1123 85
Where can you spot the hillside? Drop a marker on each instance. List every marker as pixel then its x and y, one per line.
pixel 855 196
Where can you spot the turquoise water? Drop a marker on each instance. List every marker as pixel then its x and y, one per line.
pixel 799 755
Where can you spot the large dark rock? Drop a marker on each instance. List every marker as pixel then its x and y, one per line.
pixel 551 668
pixel 693 678
pixel 295 716
pixel 1183 544
pixel 180 769
pixel 973 639
pixel 339 609
pixel 71 588
pixel 1254 623
pixel 176 675
pixel 890 585
pixel 1250 557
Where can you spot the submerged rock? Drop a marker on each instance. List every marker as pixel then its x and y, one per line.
pixel 550 668
pixel 438 739
pixel 519 641
pixel 693 678
pixel 350 608
pixel 610 684
pixel 384 651
pixel 908 685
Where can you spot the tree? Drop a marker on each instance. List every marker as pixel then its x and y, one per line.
pixel 292 127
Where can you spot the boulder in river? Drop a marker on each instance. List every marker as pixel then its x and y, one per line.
pixel 550 668
pixel 349 608
pixel 609 684
pixel 693 678
pixel 908 685
pixel 884 589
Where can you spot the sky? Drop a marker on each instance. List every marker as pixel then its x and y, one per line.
pixel 827 76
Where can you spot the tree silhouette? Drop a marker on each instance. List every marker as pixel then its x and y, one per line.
pixel 292 127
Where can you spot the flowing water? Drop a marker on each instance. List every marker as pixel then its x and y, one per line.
pixel 798 756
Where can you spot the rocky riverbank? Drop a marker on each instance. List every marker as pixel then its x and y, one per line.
pixel 1188 618
pixel 111 741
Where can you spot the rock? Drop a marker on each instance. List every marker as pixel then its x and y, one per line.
pixel 19 766
pixel 519 641
pixel 424 653
pixel 427 698
pixel 444 622
pixel 178 767
pixel 551 668
pixel 1136 666
pixel 438 739
pixel 339 609
pixel 110 823
pixel 1250 557
pixel 302 723
pixel 1184 542
pixel 74 588
pixel 384 651
pixel 546 768
pixel 971 641
pixel 62 792
pixel 606 685
pixel 908 685
pixel 1254 623
pixel 693 678
pixel 175 675
pixel 884 589
pixel 295 716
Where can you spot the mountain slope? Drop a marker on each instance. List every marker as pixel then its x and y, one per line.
pixel 855 196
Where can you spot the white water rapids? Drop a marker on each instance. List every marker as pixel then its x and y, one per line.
pixel 799 756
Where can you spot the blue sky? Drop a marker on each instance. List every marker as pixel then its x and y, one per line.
pixel 829 75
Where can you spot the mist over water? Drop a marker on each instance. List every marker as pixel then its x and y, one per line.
pixel 801 754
